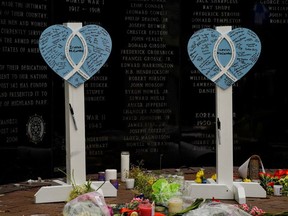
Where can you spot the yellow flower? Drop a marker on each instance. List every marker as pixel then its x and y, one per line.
pixel 151 181
pixel 198 180
pixel 200 173
pixel 246 180
pixel 214 177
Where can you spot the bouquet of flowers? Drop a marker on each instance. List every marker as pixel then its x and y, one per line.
pixel 131 208
pixel 155 187
pixel 92 203
pixel 282 176
pixel 268 180
pixel 200 176
pixel 143 181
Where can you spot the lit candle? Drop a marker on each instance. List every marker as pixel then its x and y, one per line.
pixel 145 209
pixel 175 205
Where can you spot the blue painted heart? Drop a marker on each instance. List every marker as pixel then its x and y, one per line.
pixel 224 58
pixel 75 55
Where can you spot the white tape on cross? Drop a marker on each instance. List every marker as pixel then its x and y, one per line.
pixel 76 68
pixel 224 70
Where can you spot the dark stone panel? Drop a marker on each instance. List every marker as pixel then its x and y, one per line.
pixel 148 98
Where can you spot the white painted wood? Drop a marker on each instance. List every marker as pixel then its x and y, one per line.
pixel 225 188
pixel 75 139
pixel 60 193
pixel 239 193
pixel 49 194
pixel 75 147
pixel 75 143
pixel 224 146
pixel 224 137
pixel 252 189
pixel 224 134
pixel 108 189
pixel 209 191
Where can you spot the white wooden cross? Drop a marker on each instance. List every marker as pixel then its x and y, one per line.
pixel 224 187
pixel 75 147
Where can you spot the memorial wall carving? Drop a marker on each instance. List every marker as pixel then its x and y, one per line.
pixel 26 82
pixel 148 98
pixel 148 61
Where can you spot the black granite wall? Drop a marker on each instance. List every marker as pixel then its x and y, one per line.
pixel 148 98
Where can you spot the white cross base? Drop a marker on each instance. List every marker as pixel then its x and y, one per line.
pixel 239 191
pixel 60 193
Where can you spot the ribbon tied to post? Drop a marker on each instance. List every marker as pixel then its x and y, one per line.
pixel 224 58
pixel 75 55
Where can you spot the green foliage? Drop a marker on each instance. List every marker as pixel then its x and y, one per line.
pixel 153 185
pixel 162 190
pixel 143 180
pixel 78 190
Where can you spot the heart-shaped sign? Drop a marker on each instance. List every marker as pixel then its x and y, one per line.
pixel 224 58
pixel 75 55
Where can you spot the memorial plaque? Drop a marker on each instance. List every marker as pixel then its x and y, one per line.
pixel 25 98
pixel 149 63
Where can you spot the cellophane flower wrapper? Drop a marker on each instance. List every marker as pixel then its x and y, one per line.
pixel 89 204
pixel 217 208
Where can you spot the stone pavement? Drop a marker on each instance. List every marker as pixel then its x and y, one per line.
pixel 18 199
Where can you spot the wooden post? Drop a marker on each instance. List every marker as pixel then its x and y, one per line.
pixel 75 147
pixel 75 129
pixel 224 187
pixel 224 130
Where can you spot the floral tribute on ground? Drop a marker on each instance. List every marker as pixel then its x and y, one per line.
pixel 156 186
pixel 154 192
pixel 279 177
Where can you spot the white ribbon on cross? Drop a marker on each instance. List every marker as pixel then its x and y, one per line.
pixel 76 68
pixel 224 70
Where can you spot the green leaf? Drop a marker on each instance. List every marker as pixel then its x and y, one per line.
pixel 162 190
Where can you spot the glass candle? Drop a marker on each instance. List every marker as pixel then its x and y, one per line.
pixel 145 209
pixel 175 205
pixel 101 176
pixel 130 183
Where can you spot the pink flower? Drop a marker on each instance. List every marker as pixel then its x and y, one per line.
pixel 110 210
pixel 245 207
pixel 256 211
pixel 253 211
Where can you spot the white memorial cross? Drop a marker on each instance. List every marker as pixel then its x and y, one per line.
pixel 75 146
pixel 224 187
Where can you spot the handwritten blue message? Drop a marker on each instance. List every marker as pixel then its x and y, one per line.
pixel 75 55
pixel 224 58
